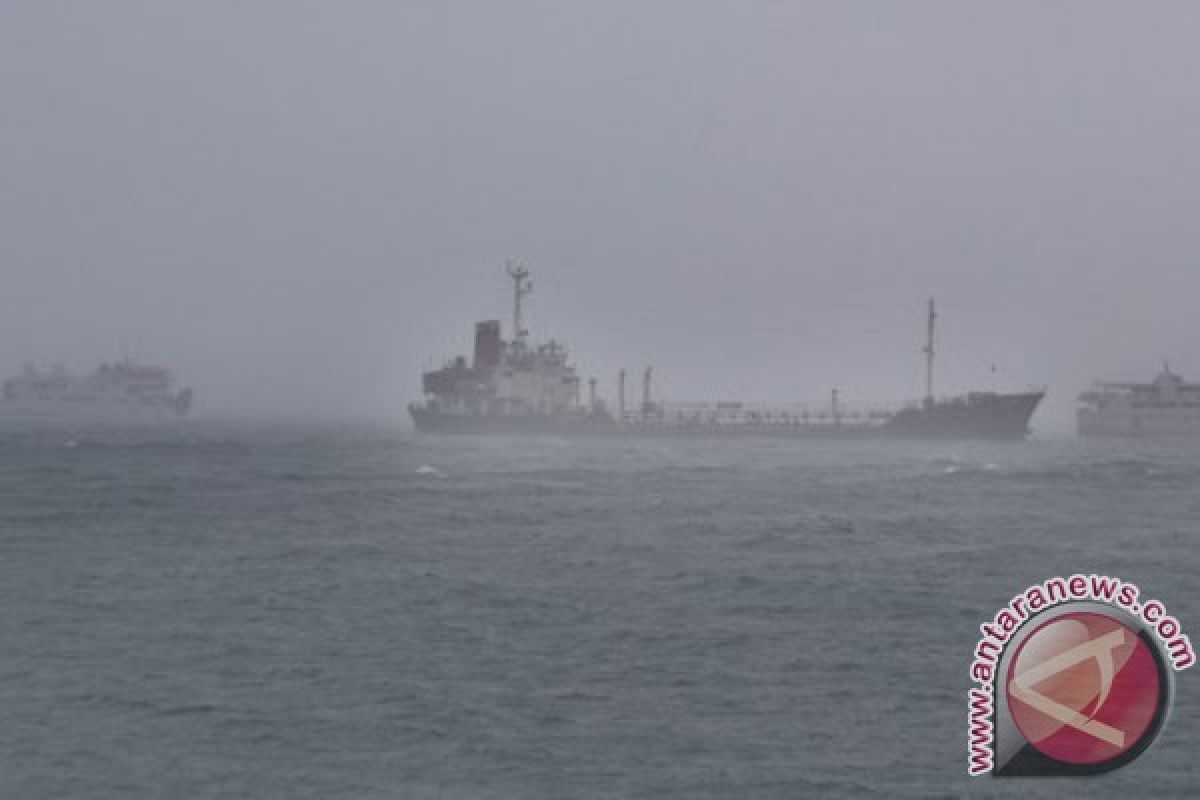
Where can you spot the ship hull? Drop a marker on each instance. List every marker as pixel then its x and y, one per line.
pixel 984 416
pixel 53 414
pixel 430 421
pixel 1117 425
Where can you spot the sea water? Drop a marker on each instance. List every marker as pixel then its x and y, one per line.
pixel 236 611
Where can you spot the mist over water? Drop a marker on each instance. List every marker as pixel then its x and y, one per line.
pixel 347 611
pixel 298 206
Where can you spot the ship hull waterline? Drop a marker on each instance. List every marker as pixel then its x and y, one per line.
pixel 994 417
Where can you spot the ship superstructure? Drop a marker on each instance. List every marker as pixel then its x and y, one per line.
pixel 120 390
pixel 509 385
pixel 1166 407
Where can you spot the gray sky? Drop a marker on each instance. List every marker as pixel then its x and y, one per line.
pixel 297 205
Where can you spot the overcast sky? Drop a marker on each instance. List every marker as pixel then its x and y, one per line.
pixel 298 205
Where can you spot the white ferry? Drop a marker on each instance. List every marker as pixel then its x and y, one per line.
pixel 1165 408
pixel 123 391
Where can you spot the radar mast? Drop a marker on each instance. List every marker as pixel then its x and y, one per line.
pixel 929 355
pixel 522 286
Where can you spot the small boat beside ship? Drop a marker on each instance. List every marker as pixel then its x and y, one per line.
pixel 514 386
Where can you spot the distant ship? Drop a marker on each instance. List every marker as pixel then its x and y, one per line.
pixel 514 387
pixel 123 391
pixel 1166 407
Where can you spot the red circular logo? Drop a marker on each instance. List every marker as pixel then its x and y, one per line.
pixel 1084 688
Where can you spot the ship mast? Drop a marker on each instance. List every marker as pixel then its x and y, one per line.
pixel 522 286
pixel 929 356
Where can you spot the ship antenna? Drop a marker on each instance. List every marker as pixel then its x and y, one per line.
pixel 929 356
pixel 522 286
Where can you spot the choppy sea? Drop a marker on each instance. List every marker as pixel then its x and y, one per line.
pixel 225 611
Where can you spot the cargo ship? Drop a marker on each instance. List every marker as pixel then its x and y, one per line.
pixel 516 387
pixel 1167 407
pixel 120 392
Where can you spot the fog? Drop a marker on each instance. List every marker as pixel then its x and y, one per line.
pixel 299 206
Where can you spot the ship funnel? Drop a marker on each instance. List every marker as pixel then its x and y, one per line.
pixel 592 393
pixel 647 406
pixel 487 344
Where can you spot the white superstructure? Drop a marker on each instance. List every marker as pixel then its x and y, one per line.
pixel 508 385
pixel 120 390
pixel 1167 407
